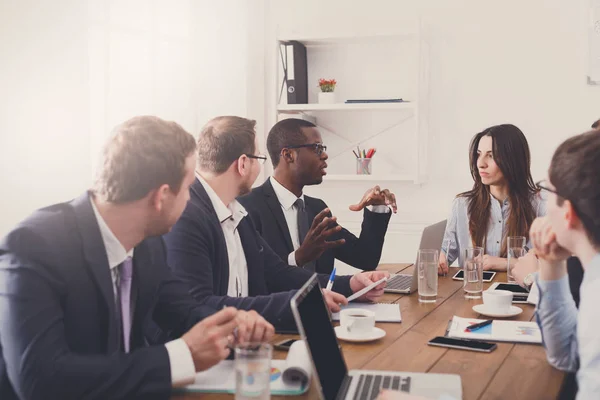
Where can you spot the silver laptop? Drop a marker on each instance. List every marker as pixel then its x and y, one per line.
pixel 430 239
pixel 334 380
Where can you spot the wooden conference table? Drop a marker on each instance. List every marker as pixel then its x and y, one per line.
pixel 512 371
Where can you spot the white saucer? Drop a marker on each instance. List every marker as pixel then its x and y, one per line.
pixel 514 310
pixel 375 334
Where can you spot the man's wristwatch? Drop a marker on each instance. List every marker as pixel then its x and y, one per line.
pixel 528 281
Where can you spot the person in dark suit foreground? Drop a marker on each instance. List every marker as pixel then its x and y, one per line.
pixel 215 248
pixel 283 214
pixel 80 280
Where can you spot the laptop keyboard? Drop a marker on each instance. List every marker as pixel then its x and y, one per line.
pixel 399 282
pixel 369 386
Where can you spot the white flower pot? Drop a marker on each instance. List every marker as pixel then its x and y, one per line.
pixel 326 97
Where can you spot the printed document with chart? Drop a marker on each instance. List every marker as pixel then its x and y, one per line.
pixel 497 331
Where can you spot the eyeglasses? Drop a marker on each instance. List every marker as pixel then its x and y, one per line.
pixel 317 147
pixel 544 185
pixel 261 159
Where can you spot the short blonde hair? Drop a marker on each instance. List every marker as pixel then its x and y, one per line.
pixel 143 154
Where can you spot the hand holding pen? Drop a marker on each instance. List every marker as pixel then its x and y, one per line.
pixel 334 300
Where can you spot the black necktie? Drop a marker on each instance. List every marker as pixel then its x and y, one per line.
pixel 303 226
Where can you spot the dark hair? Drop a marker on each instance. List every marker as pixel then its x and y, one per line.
pixel 223 140
pixel 142 154
pixel 574 174
pixel 287 132
pixel 596 124
pixel 511 154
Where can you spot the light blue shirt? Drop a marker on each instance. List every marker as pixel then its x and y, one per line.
pixel 458 238
pixel 571 338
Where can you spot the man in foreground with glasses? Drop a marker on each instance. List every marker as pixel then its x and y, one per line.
pixel 215 248
pixel 572 226
pixel 301 229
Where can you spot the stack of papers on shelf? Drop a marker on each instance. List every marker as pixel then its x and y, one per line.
pixel 497 331
pixel 354 101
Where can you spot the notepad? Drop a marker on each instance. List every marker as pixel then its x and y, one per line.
pixel 497 331
pixel 383 312
pixel 289 377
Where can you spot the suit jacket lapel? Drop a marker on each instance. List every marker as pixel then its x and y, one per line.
pixel 273 203
pixel 97 262
pixel 203 201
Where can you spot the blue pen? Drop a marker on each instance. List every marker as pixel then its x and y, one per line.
pixel 331 278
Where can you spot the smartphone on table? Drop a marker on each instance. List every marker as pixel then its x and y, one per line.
pixel 463 344
pixel 488 276
pixel 520 294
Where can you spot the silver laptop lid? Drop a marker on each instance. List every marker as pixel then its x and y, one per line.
pixel 315 327
pixel 431 238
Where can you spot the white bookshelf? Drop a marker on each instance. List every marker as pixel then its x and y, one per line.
pixel 366 66
pixel 345 107
pixel 333 40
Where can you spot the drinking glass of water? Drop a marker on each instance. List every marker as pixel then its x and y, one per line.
pixel 427 264
pixel 473 273
pixel 515 249
pixel 253 371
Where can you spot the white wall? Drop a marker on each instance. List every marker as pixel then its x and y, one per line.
pixel 490 63
pixel 71 70
pixel 44 131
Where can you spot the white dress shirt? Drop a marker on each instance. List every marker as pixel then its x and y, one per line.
pixel 290 212
pixel 183 370
pixel 230 217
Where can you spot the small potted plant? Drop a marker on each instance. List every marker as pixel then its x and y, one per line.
pixel 327 95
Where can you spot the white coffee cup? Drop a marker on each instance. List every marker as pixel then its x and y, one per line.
pixel 498 301
pixel 357 321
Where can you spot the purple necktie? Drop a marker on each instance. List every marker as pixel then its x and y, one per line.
pixel 125 272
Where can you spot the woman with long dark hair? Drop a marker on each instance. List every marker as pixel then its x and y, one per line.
pixel 504 200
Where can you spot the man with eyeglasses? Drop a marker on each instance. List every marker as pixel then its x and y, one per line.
pixel 301 229
pixel 572 226
pixel 525 273
pixel 215 248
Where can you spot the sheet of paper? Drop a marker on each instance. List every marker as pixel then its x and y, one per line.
pixel 288 377
pixel 383 312
pixel 498 331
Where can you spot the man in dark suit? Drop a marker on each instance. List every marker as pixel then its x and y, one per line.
pixel 214 246
pixel 283 214
pixel 79 281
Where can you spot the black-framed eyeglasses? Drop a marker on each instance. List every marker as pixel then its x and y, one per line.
pixel 261 158
pixel 545 185
pixel 317 147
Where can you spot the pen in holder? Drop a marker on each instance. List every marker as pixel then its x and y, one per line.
pixel 363 166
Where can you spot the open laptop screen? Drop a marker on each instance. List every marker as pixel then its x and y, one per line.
pixel 320 338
